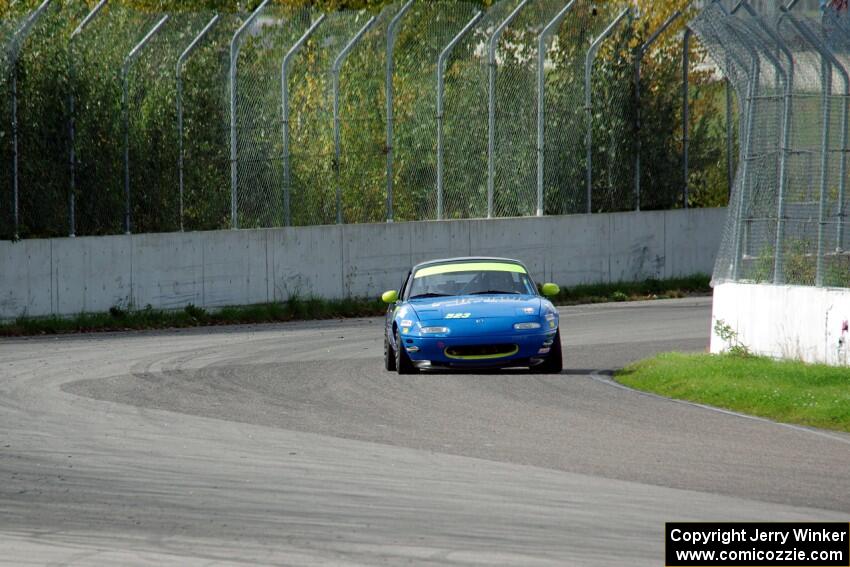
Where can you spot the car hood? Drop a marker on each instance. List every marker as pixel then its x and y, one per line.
pixel 477 307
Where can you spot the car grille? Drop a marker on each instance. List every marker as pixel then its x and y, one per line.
pixel 481 351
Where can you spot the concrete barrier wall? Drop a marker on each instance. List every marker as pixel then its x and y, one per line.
pixel 802 323
pixel 65 276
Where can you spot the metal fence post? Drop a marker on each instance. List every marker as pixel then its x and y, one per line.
pixel 787 80
pixel 588 99
pixel 686 47
pixel 845 78
pixel 125 115
pixel 744 37
pixel 235 45
pixel 828 62
pixel 392 31
pixel 845 149
pixel 72 127
pixel 730 174
pixel 550 27
pixel 748 109
pixel 641 50
pixel 284 101
pixel 746 143
pixel 441 69
pixel 491 107
pixel 337 65
pixel 179 97
pixel 17 43
pixel 15 205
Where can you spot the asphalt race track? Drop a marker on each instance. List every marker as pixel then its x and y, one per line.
pixel 289 444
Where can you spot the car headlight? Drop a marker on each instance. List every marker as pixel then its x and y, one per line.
pixel 434 330
pixel 525 326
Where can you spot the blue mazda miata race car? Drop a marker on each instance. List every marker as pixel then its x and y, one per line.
pixel 471 313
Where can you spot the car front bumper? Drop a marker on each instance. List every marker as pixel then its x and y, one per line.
pixel 531 348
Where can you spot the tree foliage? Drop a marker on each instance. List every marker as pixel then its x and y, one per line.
pixel 52 68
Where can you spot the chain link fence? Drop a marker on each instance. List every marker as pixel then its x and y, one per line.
pixel 125 135
pixel 97 55
pixel 203 177
pixel 259 186
pixel 315 128
pixel 26 39
pixel 134 121
pixel 788 207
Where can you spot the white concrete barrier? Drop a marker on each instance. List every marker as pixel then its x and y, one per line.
pixel 802 323
pixel 65 276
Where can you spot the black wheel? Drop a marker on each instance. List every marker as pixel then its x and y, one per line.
pixel 554 362
pixel 402 361
pixel 389 354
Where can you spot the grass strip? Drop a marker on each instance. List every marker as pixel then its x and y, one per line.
pixel 299 309
pixel 815 395
pixel 697 284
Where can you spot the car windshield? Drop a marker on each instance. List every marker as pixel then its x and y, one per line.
pixel 470 279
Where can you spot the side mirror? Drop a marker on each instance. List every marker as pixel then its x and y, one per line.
pixel 550 289
pixel 390 296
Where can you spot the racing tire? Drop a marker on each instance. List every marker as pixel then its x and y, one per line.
pixel 389 354
pixel 403 365
pixel 554 363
